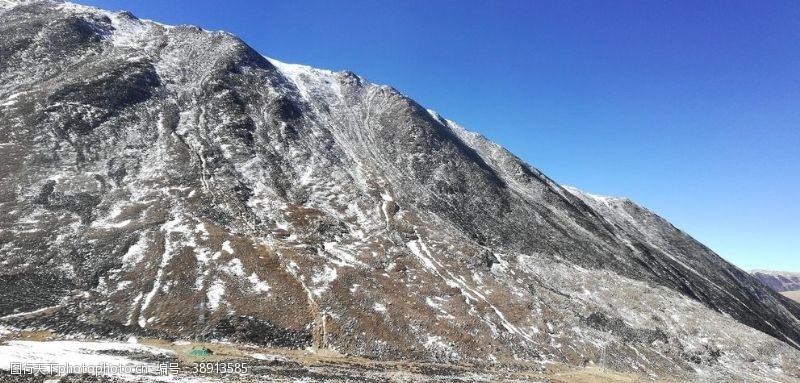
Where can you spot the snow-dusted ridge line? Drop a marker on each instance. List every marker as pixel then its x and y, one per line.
pixel 294 70
pixel 776 272
pixel 114 15
pixel 598 197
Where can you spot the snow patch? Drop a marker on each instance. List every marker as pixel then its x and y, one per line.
pixel 226 247
pixel 342 258
pixel 323 279
pixel 259 286
pixel 107 222
pixel 135 253
pixel 215 294
pixel 123 285
pixel 234 267
pixel 76 353
pixel 34 312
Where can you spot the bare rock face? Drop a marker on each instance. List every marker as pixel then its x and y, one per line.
pixel 172 182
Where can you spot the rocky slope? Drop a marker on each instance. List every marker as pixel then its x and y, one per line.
pixel 779 281
pixel 172 182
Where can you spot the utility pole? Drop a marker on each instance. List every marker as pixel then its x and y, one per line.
pixel 603 357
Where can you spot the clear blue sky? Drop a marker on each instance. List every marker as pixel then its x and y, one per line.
pixel 691 108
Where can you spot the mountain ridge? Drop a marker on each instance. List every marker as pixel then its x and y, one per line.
pixel 780 281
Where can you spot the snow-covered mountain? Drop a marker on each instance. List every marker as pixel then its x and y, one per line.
pixel 172 182
pixel 779 281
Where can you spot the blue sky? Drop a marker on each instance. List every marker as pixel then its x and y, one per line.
pixel 690 108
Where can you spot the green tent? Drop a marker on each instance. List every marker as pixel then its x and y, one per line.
pixel 200 351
